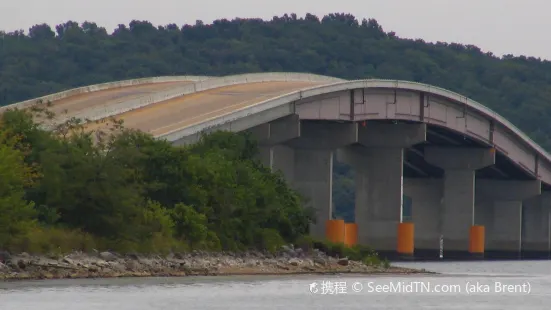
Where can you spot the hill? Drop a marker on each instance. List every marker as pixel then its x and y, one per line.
pixel 48 60
pixel 71 55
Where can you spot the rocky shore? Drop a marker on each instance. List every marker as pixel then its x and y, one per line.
pixel 108 265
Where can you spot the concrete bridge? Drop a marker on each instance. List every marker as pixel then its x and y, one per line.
pixel 474 179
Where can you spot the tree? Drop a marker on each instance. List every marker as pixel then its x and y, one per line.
pixel 16 214
pixel 190 225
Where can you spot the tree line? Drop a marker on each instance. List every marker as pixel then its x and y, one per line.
pixel 124 190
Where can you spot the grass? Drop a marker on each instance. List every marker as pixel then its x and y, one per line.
pixel 356 253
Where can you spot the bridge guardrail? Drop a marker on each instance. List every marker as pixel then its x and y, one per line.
pixel 98 87
pixel 211 83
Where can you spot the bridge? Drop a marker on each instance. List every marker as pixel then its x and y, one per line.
pixel 476 182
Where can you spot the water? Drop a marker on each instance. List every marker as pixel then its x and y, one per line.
pixel 293 293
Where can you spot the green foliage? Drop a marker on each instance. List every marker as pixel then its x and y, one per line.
pixel 357 252
pixel 126 191
pixel 53 240
pixel 270 240
pixel 16 214
pixel 375 261
pixel 190 224
pixel 343 192
pixel 306 243
pixel 155 221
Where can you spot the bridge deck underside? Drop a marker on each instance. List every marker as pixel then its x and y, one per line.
pixel 415 166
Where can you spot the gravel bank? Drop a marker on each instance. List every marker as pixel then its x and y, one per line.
pixel 24 266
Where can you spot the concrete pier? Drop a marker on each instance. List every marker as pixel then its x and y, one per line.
pixel 313 178
pixel 304 154
pixel 536 232
pixel 378 163
pixel 501 201
pixel 277 131
pixel 458 204
pixel 426 196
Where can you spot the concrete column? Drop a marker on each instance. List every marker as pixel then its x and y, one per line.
pixel 271 134
pixel 504 200
pixel 277 131
pixel 426 196
pixel 378 194
pixel 536 232
pixel 313 178
pixel 459 165
pixel 310 172
pixel 378 163
pixel 279 158
pixel 312 165
pixel 265 155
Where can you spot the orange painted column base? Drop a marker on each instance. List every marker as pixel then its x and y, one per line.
pixel 406 237
pixel 334 231
pixel 476 240
pixel 350 234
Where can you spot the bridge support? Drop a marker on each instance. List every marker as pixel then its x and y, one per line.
pixel 378 163
pixel 271 134
pixel 305 158
pixel 501 202
pixel 536 232
pixel 277 131
pixel 426 195
pixel 459 165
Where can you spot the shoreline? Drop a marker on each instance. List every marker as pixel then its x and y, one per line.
pixel 106 265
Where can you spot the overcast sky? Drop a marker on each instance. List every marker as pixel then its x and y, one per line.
pixel 501 26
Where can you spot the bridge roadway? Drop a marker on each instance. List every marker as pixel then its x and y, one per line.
pixel 474 179
pixel 74 105
pixel 181 112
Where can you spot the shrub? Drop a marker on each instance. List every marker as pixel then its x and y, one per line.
pixel 270 240
pixel 42 240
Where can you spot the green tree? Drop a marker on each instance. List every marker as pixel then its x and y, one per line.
pixel 189 224
pixel 16 214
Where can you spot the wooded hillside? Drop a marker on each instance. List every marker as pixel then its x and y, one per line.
pixel 50 59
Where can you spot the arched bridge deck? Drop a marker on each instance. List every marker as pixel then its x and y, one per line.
pixel 298 107
pixel 177 108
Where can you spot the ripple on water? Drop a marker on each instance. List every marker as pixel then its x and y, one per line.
pixel 290 293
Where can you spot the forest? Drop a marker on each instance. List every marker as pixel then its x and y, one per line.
pixel 125 190
pixel 46 59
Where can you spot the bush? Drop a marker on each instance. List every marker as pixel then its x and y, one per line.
pixel 270 240
pixel 42 240
pixel 129 192
pixel 372 260
pixel 305 243
pixel 357 252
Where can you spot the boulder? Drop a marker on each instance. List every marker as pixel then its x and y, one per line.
pixel 108 256
pixel 343 261
pixel 4 256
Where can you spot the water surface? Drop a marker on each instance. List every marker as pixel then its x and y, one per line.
pixel 529 288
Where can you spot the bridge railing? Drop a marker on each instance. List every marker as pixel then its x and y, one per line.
pixel 99 87
pixel 474 105
pixel 101 112
pixel 348 85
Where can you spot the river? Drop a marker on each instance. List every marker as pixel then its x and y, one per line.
pixel 461 285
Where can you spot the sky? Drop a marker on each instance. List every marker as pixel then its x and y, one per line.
pixel 500 26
